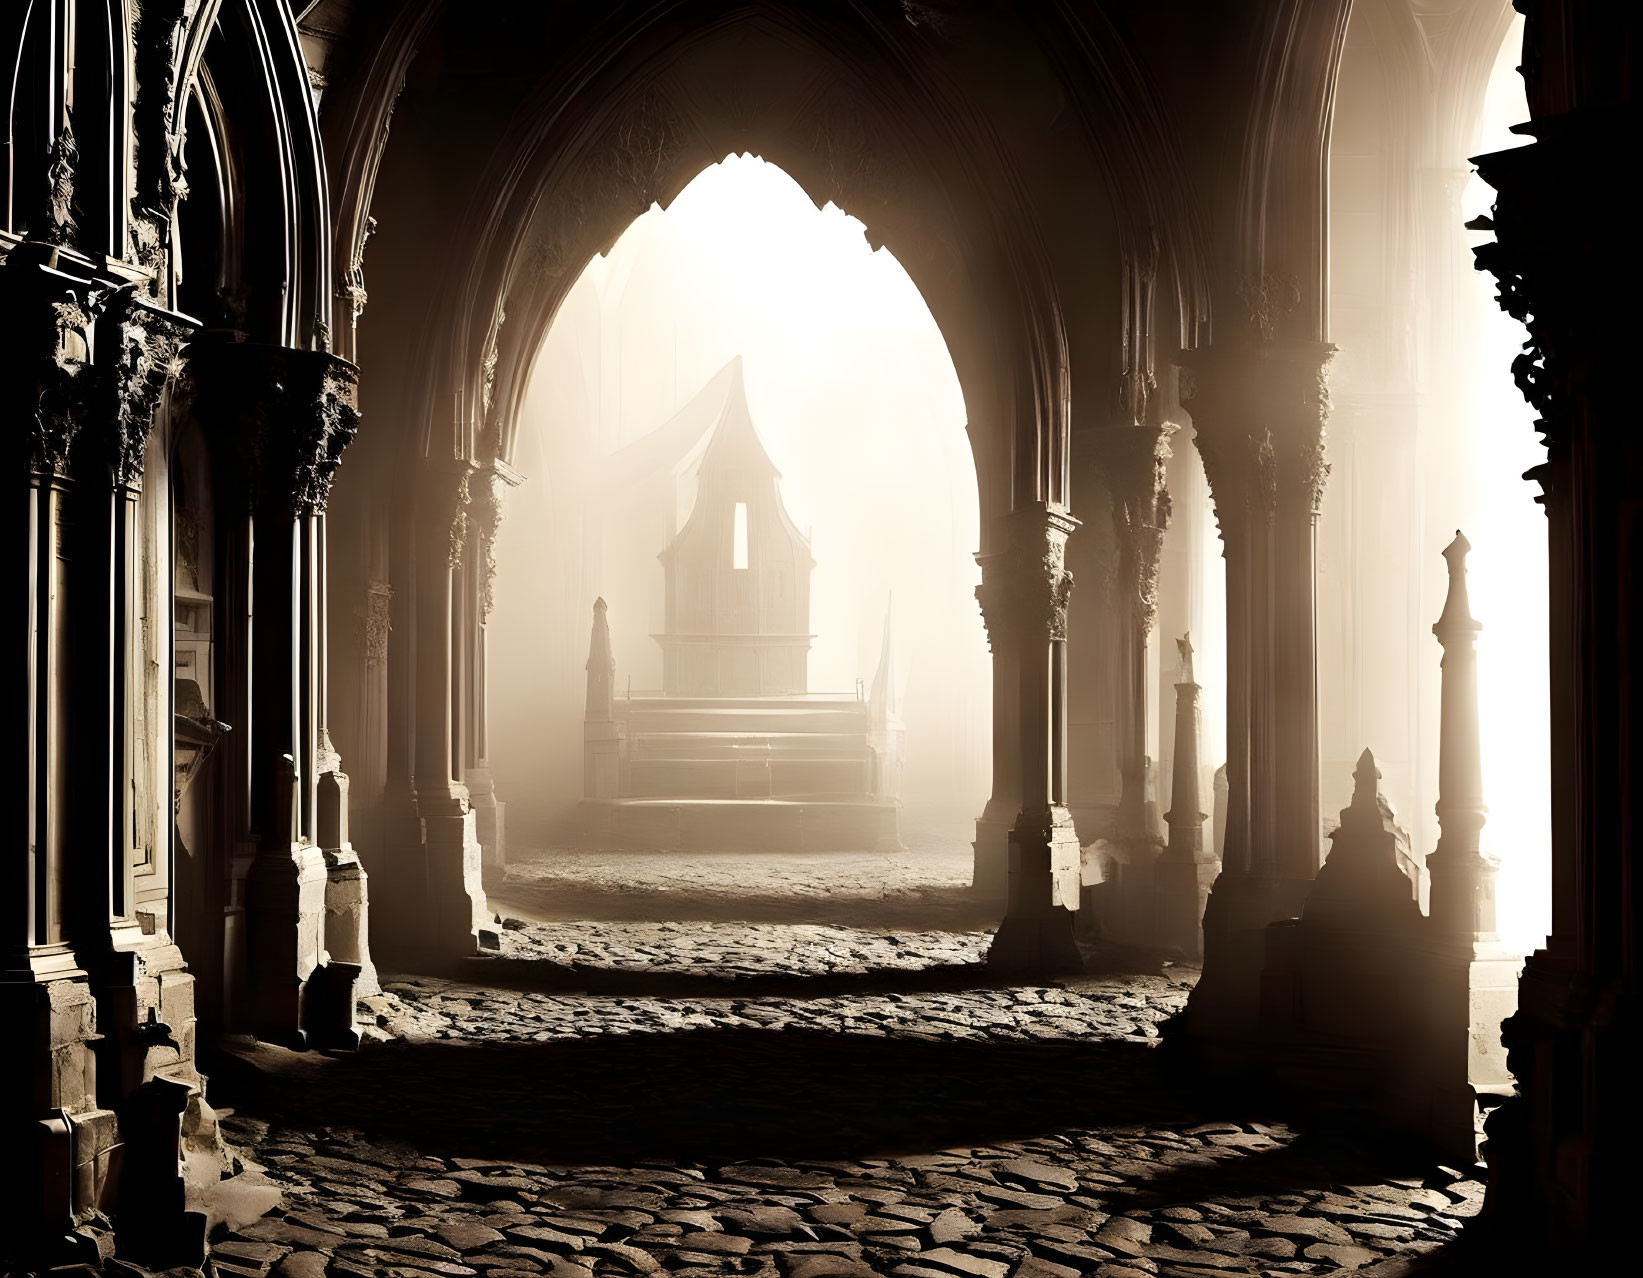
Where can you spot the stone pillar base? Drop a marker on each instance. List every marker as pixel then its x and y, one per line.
pixel 1180 892
pixel 347 918
pixel 1467 992
pixel 399 883
pixel 990 878
pixel 1036 936
pixel 492 827
pixel 455 904
pixel 1225 1006
pixel 285 931
pixel 1035 945
pixel 56 1142
pixel 154 1225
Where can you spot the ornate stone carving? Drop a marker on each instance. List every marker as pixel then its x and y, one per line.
pixel 1267 299
pixel 353 281
pixel 1260 413
pixel 146 346
pixel 297 413
pixel 46 331
pixel 485 517
pixel 488 363
pixel 451 496
pixel 57 225
pixel 1025 588
pixel 1133 461
pixel 157 39
pixel 374 621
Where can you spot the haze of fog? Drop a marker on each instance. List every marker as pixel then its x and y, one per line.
pixel 854 394
pixel 855 397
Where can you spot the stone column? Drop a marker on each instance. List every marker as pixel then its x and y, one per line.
pixel 990 876
pixel 292 414
pixel 1023 593
pixel 601 734
pixel 49 1112
pixel 1186 869
pixel 486 492
pixel 124 696
pixel 1563 1155
pixel 1474 982
pixel 1130 461
pixel 1259 413
pixel 449 898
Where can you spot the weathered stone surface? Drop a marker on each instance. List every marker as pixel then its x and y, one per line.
pixel 300 1264
pixel 1345 1257
pixel 1035 1206
pixel 1125 1236
pixel 825 1266
pixel 1306 1227
pixel 467 1237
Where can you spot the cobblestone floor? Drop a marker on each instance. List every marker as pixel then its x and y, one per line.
pixel 792 1101
pixel 925 885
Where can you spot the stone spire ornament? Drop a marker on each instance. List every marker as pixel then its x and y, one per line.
pixel 1463 879
pixel 1186 869
pixel 601 733
pixel 1185 821
pixel 1360 884
pixel 601 669
pixel 1470 980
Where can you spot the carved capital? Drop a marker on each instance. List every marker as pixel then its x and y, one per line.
pixel 139 351
pixel 485 518
pixel 1132 461
pixel 294 412
pixel 1026 587
pixel 1259 412
pixel 445 492
pixel 46 327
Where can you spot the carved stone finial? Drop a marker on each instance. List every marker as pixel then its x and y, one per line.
pixel 1183 645
pixel 1361 884
pixel 601 669
pixel 1366 787
pixel 1457 606
pixel 1463 879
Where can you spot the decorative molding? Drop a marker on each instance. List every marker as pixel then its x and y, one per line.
pixel 47 331
pixel 57 224
pixel 1026 588
pixel 1259 414
pixel 374 621
pixel 295 413
pixel 485 504
pixel 1267 299
pixel 156 39
pixel 146 347
pixel 1133 461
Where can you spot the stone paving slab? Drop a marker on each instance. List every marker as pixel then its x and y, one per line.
pixel 985 1132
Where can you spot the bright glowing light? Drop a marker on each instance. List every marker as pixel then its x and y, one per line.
pixel 1508 571
pixel 738 555
pixel 854 394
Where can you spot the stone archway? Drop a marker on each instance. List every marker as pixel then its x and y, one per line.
pixel 576 164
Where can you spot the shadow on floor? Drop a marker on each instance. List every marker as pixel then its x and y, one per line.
pixel 725 1095
pixel 555 900
pixel 544 976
